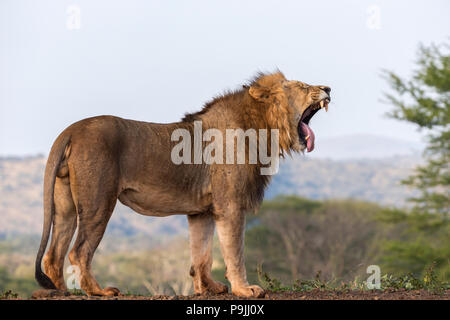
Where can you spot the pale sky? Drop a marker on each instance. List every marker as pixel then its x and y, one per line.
pixel 156 60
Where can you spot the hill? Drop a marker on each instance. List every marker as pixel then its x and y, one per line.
pixel 364 146
pixel 21 182
pixel 375 180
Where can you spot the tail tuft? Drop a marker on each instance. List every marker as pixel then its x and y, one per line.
pixel 43 280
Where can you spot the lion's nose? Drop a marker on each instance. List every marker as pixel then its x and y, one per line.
pixel 326 89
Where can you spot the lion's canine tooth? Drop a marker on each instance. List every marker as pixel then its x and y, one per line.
pixel 321 104
pixel 307 137
pixel 326 107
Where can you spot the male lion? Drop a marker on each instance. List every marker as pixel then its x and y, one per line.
pixel 98 160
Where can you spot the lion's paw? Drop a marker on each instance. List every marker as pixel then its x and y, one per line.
pixel 218 287
pixel 212 287
pixel 49 293
pixel 111 292
pixel 248 291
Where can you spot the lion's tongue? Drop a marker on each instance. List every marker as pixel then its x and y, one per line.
pixel 307 131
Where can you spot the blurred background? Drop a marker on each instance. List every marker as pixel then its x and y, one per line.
pixel 332 212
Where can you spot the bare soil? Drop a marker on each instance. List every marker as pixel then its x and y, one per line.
pixel 400 294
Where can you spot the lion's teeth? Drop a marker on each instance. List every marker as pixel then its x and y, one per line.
pixel 326 107
pixel 307 137
pixel 321 104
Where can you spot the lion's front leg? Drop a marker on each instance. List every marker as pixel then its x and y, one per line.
pixel 201 233
pixel 230 229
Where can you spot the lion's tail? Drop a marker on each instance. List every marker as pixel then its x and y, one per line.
pixel 51 170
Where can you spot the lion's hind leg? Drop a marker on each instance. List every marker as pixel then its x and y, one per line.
pixel 92 226
pixel 95 198
pixel 201 233
pixel 64 225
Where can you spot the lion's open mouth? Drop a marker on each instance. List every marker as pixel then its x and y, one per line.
pixel 304 131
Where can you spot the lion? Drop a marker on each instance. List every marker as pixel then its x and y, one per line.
pixel 97 161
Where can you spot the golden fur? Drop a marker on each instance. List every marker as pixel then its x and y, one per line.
pixel 97 161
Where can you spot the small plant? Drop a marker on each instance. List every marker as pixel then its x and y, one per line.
pixel 8 295
pixel 316 283
pixel 267 282
pixel 431 282
pixel 76 292
pixel 408 282
pixel 430 278
pixel 356 284
pixel 128 293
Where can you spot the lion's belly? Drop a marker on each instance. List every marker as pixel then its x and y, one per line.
pixel 161 204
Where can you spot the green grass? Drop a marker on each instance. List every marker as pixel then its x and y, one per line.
pixel 429 282
pixel 76 292
pixel 8 294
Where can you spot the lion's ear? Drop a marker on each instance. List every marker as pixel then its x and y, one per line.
pixel 267 87
pixel 259 93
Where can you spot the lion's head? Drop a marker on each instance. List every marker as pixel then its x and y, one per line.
pixel 273 102
pixel 290 106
